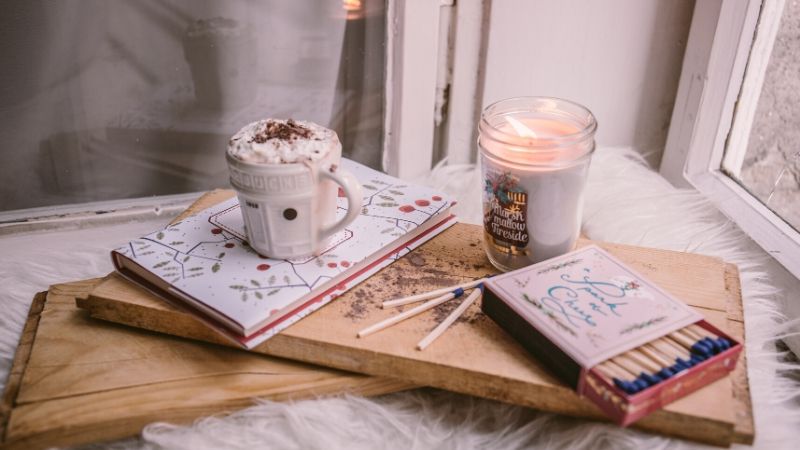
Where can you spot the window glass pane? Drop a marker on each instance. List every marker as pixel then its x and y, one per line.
pixel 107 99
pixel 770 169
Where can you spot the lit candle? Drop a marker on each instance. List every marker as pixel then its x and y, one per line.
pixel 535 154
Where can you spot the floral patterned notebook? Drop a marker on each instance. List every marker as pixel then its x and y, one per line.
pixel 204 262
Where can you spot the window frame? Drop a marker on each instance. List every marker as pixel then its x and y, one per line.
pixel 716 64
pixel 415 31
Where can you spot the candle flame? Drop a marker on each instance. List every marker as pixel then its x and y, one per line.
pixel 521 129
pixel 353 8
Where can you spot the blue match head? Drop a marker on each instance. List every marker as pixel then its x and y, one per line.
pixel 723 343
pixel 685 363
pixel 625 386
pixel 700 349
pixel 665 373
pixel 697 359
pixel 712 344
pixel 458 292
pixel 650 379
pixel 641 384
pixel 480 286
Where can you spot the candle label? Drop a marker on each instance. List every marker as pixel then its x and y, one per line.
pixel 505 212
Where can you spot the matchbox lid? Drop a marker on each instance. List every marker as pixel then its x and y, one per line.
pixel 591 305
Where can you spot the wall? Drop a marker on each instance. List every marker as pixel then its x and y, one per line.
pixel 620 58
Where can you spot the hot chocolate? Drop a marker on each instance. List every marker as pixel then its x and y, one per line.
pixel 276 141
pixel 287 176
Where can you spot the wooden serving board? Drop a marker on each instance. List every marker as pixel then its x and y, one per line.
pixel 77 380
pixel 474 356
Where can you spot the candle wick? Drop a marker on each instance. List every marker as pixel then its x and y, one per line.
pixel 521 129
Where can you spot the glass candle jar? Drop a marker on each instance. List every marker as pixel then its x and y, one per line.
pixel 534 154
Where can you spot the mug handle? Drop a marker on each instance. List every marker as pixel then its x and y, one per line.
pixel 353 192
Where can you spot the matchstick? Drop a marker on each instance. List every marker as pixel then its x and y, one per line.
pixel 701 349
pixel 451 318
pixel 677 349
pixel 654 354
pixel 716 342
pixel 630 374
pixel 682 338
pixel 692 333
pixel 702 332
pixel 606 372
pixel 644 361
pixel 628 364
pixel 631 382
pixel 432 294
pixel 615 370
pixel 667 350
pixel 405 315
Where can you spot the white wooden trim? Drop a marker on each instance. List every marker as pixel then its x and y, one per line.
pixel 708 93
pixel 768 25
pixel 94 213
pixel 465 98
pixel 694 78
pixel 412 54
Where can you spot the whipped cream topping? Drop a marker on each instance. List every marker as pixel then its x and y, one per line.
pixel 276 141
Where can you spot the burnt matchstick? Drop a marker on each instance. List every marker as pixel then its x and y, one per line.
pixel 455 289
pixel 410 313
pixel 440 329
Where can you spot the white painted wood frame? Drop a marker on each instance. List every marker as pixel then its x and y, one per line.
pixel 412 63
pixel 717 55
pixel 466 86
pixel 768 25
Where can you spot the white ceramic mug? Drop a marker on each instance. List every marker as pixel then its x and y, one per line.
pixel 289 209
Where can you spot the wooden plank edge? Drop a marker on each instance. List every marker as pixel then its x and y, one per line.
pixel 744 427
pixel 118 427
pixel 662 422
pixel 699 429
pixel 21 357
pixel 143 318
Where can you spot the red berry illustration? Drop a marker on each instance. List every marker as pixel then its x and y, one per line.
pixel 332 265
pixel 345 263
pixel 436 198
pixel 263 267
pixel 230 245
pixel 216 231
pixel 407 208
pixel 422 202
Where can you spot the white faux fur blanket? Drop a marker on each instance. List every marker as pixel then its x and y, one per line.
pixel 626 202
